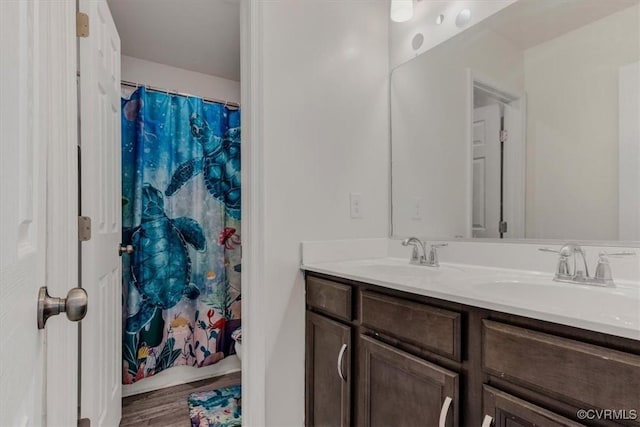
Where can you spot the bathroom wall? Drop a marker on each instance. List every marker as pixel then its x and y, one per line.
pixel 325 134
pixel 177 79
pixel 559 86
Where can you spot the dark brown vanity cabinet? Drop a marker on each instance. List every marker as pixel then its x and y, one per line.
pixel 328 360
pixel 410 360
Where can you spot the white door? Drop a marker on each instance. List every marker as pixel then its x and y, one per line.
pixel 38 210
pixel 486 171
pixel 101 200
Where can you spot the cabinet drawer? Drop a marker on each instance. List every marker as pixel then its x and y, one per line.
pixel 329 297
pixel 585 375
pixel 507 410
pixel 427 327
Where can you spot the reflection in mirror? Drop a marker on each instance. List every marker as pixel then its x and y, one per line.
pixel 525 125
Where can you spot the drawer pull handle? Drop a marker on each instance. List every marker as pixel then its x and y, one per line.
pixel 340 359
pixel 444 411
pixel 488 420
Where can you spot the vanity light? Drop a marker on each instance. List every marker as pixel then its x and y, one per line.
pixel 439 19
pixel 401 10
pixel 463 18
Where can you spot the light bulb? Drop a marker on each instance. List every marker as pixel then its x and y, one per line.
pixel 401 10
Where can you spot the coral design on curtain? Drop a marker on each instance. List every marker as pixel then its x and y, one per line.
pixel 181 213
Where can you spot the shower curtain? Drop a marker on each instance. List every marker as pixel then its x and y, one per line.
pixel 181 213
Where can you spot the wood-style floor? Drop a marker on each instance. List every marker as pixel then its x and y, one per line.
pixel 168 407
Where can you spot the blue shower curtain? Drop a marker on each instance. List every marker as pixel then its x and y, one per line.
pixel 181 213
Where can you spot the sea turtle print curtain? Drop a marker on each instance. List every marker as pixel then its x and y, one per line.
pixel 181 213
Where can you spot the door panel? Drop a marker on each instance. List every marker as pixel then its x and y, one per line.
pixel 22 212
pixel 328 395
pixel 101 388
pixel 399 389
pixel 510 411
pixel 486 171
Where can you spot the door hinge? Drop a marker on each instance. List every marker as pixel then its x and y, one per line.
pixel 84 422
pixel 503 136
pixel 82 24
pixel 502 227
pixel 84 228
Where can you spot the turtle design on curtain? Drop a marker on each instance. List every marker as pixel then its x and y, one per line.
pixel 181 213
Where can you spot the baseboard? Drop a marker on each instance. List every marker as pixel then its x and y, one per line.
pixel 182 375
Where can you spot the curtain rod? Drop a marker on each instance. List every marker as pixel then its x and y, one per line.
pixel 173 92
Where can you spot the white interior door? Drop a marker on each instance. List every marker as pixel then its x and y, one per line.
pixel 486 171
pixel 38 210
pixel 101 200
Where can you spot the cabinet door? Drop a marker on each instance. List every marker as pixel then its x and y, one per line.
pixel 399 389
pixel 328 365
pixel 504 410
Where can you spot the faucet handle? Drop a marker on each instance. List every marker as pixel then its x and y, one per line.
pixel 603 269
pixel 562 270
pixel 604 254
pixel 555 251
pixel 433 254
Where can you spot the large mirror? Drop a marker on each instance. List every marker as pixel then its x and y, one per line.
pixel 525 125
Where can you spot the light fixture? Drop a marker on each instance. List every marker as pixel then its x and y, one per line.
pixel 463 18
pixel 401 10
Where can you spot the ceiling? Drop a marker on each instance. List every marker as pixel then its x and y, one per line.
pixel 528 23
pixel 197 35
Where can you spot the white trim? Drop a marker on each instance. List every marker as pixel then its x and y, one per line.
pixel 61 388
pixel 254 330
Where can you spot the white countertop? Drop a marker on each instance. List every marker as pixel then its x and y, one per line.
pixel 614 311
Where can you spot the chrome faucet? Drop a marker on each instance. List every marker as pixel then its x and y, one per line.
pixel 564 273
pixel 430 260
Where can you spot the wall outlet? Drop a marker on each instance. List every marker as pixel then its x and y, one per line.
pixel 355 203
pixel 416 208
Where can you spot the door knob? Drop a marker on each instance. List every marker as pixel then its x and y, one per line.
pixel 125 250
pixel 74 305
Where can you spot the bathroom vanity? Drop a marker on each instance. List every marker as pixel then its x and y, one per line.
pixel 382 356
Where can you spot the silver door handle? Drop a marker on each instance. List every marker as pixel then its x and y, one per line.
pixel 125 249
pixel 488 420
pixel 340 359
pixel 74 305
pixel 444 411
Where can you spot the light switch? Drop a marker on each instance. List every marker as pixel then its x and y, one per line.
pixel 355 203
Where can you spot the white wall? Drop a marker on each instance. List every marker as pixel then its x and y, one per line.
pixel 325 134
pixel 177 79
pixel 429 121
pixel 572 135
